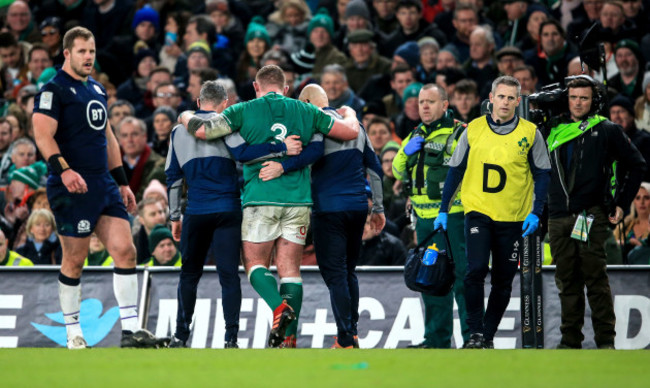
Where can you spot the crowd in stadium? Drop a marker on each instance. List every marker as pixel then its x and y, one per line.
pixel 374 56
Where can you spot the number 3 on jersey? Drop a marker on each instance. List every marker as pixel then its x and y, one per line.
pixel 282 132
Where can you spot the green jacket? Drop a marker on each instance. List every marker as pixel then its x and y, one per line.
pixel 424 172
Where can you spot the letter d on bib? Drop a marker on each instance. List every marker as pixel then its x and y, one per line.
pixel 487 167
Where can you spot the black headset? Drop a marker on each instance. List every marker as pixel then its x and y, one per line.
pixel 598 99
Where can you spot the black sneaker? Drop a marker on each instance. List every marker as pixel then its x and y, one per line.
pixel 176 343
pixel 143 339
pixel 232 344
pixel 421 345
pixel 476 341
pixel 489 344
pixel 282 317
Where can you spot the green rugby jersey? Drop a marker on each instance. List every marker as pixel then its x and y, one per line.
pixel 270 119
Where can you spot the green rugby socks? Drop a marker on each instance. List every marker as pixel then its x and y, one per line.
pixel 266 286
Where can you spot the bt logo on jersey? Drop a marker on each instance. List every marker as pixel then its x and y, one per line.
pixel 96 115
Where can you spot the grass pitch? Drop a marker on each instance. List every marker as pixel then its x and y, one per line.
pixel 121 368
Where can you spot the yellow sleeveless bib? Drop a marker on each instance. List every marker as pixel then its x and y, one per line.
pixel 498 181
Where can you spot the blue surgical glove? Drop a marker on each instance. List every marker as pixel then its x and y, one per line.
pixel 531 223
pixel 440 221
pixel 414 145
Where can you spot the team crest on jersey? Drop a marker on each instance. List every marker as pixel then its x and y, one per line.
pixel 83 226
pixel 523 143
pixel 99 90
pixel 96 115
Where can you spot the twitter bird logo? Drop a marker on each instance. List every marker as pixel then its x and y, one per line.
pixel 93 325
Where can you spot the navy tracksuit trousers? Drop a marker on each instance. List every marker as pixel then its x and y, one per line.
pixel 337 241
pixel 503 240
pixel 223 231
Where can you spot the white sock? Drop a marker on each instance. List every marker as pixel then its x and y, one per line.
pixel 125 288
pixel 70 299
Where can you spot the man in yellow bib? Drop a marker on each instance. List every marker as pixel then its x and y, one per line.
pixel 501 160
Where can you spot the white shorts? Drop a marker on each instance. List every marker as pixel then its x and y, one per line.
pixel 267 223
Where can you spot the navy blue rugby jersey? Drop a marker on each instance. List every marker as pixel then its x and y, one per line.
pixel 80 110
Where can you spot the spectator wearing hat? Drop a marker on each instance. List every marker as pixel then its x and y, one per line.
pixel 356 17
pixel 335 83
pixel 287 26
pixel 164 119
pixel 536 15
pixel 407 54
pixel 629 80
pixel 66 12
pixel 621 112
pixel 256 43
pixel 230 30
pixel 516 11
pixel 384 18
pixel 411 28
pixel 551 62
pixel 642 105
pixel 409 118
pixel 364 60
pixel 108 19
pixel 52 38
pixel 481 65
pixel 321 32
pixel 163 248
pixel 134 89
pixel 144 35
pixel 509 58
pixel 373 109
pixel 465 20
pixel 20 22
pixel 425 71
pixel 447 58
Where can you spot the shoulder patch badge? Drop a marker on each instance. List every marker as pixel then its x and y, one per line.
pixel 46 101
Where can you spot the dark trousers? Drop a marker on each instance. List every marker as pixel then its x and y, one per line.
pixel 337 240
pixel 579 265
pixel 223 231
pixel 503 240
pixel 439 310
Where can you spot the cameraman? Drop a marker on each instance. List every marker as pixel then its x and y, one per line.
pixel 583 148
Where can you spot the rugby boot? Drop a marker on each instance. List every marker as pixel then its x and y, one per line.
pixel 142 339
pixel 356 342
pixel 77 342
pixel 176 343
pixel 476 341
pixel 421 345
pixel 489 344
pixel 282 317
pixel 339 346
pixel 232 344
pixel 289 342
